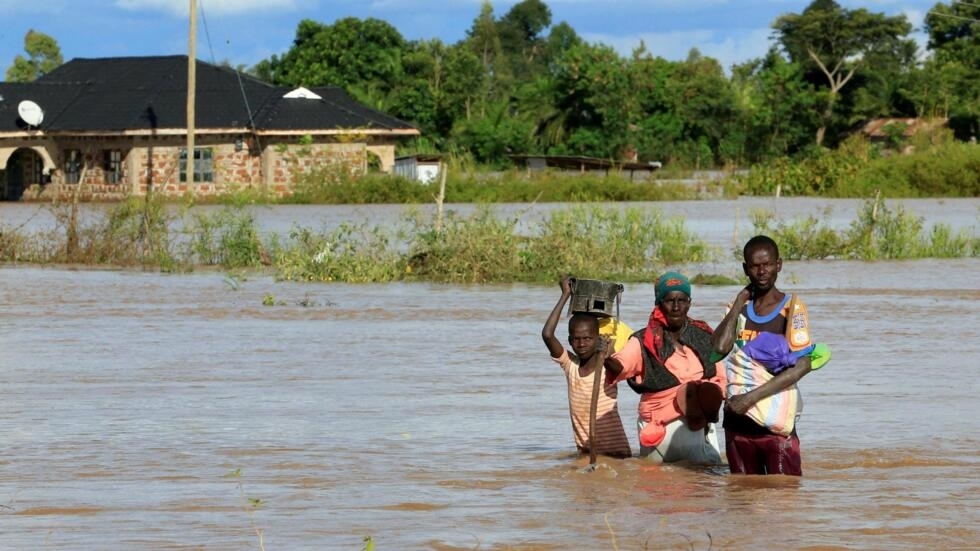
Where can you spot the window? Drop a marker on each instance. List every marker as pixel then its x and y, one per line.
pixel 73 166
pixel 203 165
pixel 112 166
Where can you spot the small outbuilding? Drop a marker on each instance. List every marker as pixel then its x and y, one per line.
pixel 422 167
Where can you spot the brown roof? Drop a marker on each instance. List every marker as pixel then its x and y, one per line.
pixel 875 128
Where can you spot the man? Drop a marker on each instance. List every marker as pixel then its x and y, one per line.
pixel 754 443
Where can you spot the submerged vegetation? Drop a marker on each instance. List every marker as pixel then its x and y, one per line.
pixel 878 233
pixel 623 243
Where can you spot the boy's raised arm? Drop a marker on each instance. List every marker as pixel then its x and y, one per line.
pixel 555 346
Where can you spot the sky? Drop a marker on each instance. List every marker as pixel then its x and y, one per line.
pixel 244 32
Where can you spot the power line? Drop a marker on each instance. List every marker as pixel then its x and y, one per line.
pixel 951 16
pixel 207 32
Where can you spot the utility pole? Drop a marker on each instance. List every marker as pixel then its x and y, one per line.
pixel 191 87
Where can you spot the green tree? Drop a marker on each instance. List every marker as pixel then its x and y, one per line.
pixel 954 70
pixel 464 82
pixel 658 130
pixel 43 56
pixel 777 107
pixel 706 104
pixel 591 91
pixel 483 39
pixel 362 56
pixel 838 42
pixel 521 40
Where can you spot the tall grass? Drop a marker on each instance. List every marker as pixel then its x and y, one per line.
pixel 351 253
pixel 132 233
pixel 614 243
pixel 480 248
pixel 627 245
pixel 878 233
pixel 227 237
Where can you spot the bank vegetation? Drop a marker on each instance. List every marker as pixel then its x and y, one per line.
pixel 623 244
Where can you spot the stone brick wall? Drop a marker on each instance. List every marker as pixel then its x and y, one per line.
pixel 274 164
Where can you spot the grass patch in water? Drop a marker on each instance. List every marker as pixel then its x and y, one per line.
pixel 878 233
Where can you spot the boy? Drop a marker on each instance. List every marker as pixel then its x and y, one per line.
pixel 584 338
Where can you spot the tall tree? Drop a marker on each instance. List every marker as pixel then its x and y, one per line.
pixel 954 38
pixel 362 56
pixel 777 107
pixel 706 103
pixel 483 39
pixel 520 37
pixel 839 42
pixel 43 56
pixel 592 94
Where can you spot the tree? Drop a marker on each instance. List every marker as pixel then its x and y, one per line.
pixel 705 102
pixel 593 99
pixel 839 42
pixel 777 107
pixel 520 37
pixel 43 56
pixel 361 56
pixel 483 39
pixel 954 38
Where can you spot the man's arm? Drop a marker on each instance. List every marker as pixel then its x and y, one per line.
pixel 787 378
pixel 548 331
pixel 723 338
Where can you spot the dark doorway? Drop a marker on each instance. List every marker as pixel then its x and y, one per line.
pixel 14 187
pixel 23 169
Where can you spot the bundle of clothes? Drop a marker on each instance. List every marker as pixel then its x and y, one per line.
pixel 778 412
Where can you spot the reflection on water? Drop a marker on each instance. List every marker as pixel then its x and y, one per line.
pixel 150 411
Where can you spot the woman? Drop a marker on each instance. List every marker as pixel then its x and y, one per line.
pixel 669 364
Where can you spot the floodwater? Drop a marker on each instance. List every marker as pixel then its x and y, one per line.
pixel 154 411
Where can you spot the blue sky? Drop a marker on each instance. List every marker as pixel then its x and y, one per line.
pixel 248 31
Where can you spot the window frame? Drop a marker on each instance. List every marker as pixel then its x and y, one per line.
pixel 112 166
pixel 73 166
pixel 203 164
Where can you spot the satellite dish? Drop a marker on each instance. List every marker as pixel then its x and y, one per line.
pixel 30 112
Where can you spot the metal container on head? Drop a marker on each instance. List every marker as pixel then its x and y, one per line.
pixel 592 296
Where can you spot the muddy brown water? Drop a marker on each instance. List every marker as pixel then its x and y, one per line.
pixel 154 411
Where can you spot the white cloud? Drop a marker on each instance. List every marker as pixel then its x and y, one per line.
pixel 179 8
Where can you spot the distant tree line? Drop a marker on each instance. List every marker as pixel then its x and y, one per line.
pixel 518 84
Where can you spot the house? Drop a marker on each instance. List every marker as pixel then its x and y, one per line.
pixel 118 126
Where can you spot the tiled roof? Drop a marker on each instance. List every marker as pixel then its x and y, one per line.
pixel 150 93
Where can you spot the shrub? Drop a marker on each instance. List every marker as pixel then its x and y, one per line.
pixel 481 248
pixel 628 245
pixel 227 237
pixel 351 253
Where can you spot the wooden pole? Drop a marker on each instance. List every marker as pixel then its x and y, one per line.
pixel 191 88
pixel 442 195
